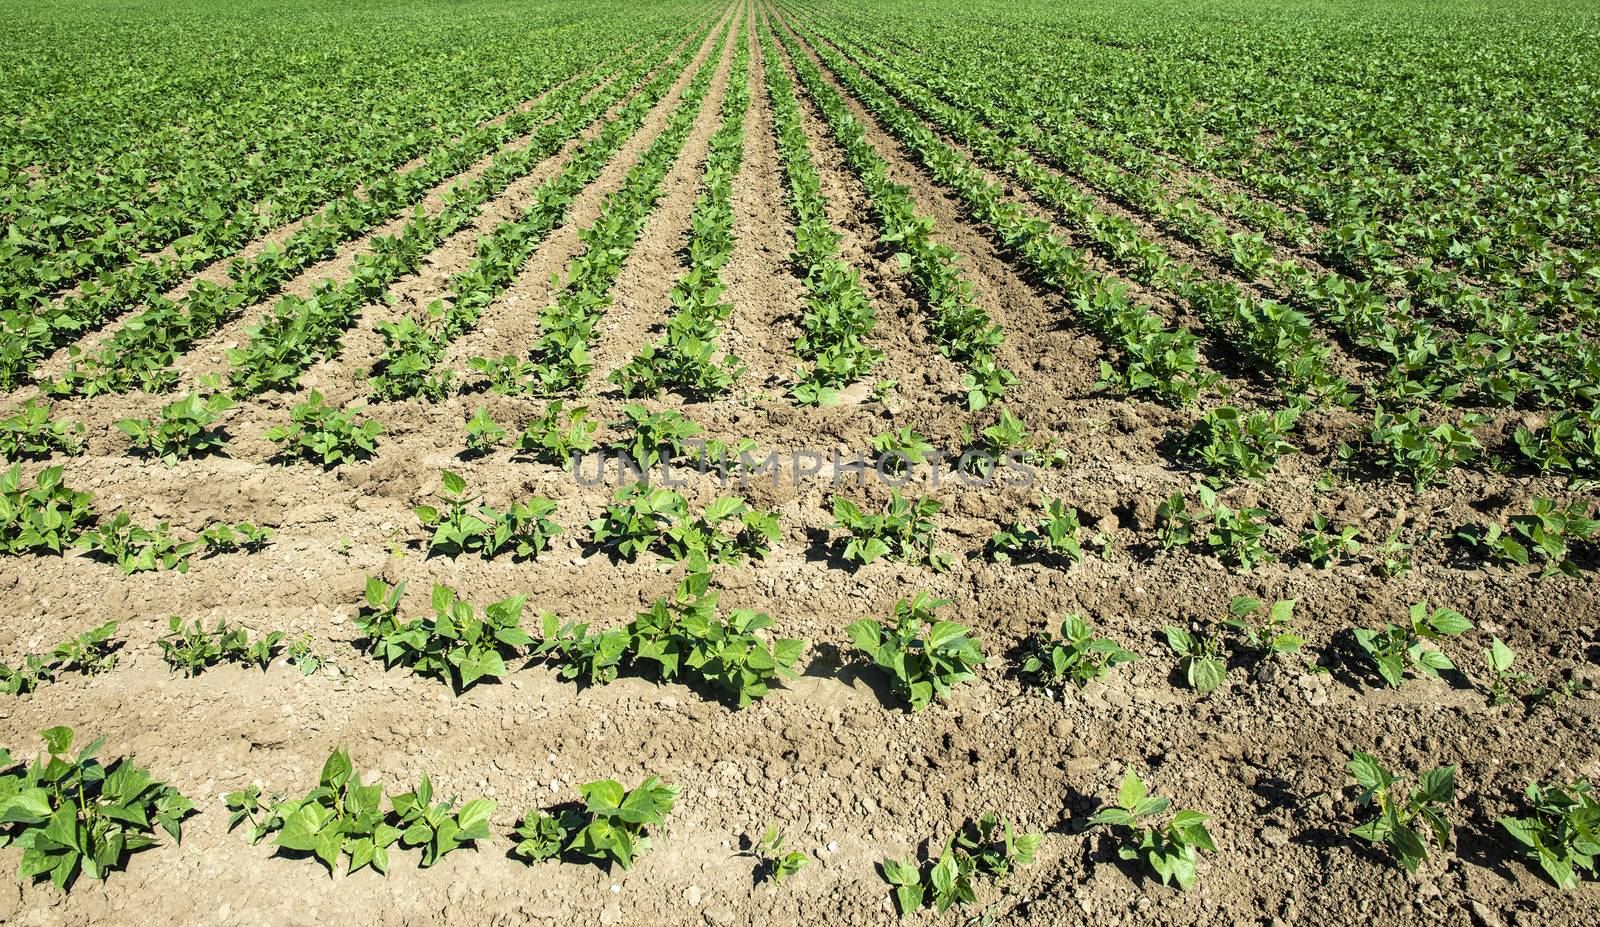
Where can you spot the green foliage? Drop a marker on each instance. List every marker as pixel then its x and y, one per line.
pixel 1237 536
pixel 903 531
pixel 136 549
pixel 901 449
pixel 326 435
pixel 462 524
pixel 47 516
pixel 613 826
pixel 1006 439
pixel 438 827
pixel 728 530
pixel 1270 633
pixel 93 652
pixel 223 538
pixel 656 437
pixel 1421 454
pixel 1546 536
pixel 558 434
pixel 456 644
pixel 1561 832
pixel 1077 656
pixel 1229 443
pixel 772 863
pixel 639 518
pixel 191 648
pixel 342 818
pixel 1507 684
pixel 1400 816
pixel 184 429
pixel 925 657
pixel 682 636
pixel 1171 850
pixel 89 653
pixel 1569 442
pixel 988 848
pixel 1326 544
pixel 1054 535
pixel 31 434
pixel 484 434
pixel 1393 557
pixel 645 517
pixel 595 658
pixel 1202 657
pixel 70 813
pixel 1396 648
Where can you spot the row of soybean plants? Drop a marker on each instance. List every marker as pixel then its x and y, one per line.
pixel 71 815
pixel 1502 356
pixel 338 209
pixel 1275 339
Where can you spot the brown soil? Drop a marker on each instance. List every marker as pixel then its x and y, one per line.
pixel 830 757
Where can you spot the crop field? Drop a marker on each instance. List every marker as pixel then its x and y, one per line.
pixel 800 462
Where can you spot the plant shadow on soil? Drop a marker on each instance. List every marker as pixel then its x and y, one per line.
pixel 831 663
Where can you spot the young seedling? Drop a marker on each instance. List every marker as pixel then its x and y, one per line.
pixel 484 434
pixel 325 435
pixel 1400 816
pixel 1204 653
pixel 32 435
pixel 136 549
pixel 595 658
pixel 1202 658
pixel 558 434
pixel 1325 544
pixel 1230 444
pixel 1077 656
pixel 223 538
pixel 638 519
pixel 772 863
pixel 192 649
pixel 340 818
pixel 728 530
pixel 303 656
pixel 48 516
pixel 25 676
pixel 184 429
pixel 901 449
pixel 657 436
pixel 1171 850
pixel 1393 556
pixel 1053 536
pixel 455 644
pixel 462 524
pixel 612 828
pixel 1562 831
pixel 904 531
pixel 1508 684
pixel 1546 535
pixel 1006 439
pixel 69 813
pixel 987 848
pixel 1237 536
pixel 1271 633
pixel 1395 648
pixel 926 657
pixel 91 653
pixel 1504 683
pixel 1410 449
pixel 438 827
